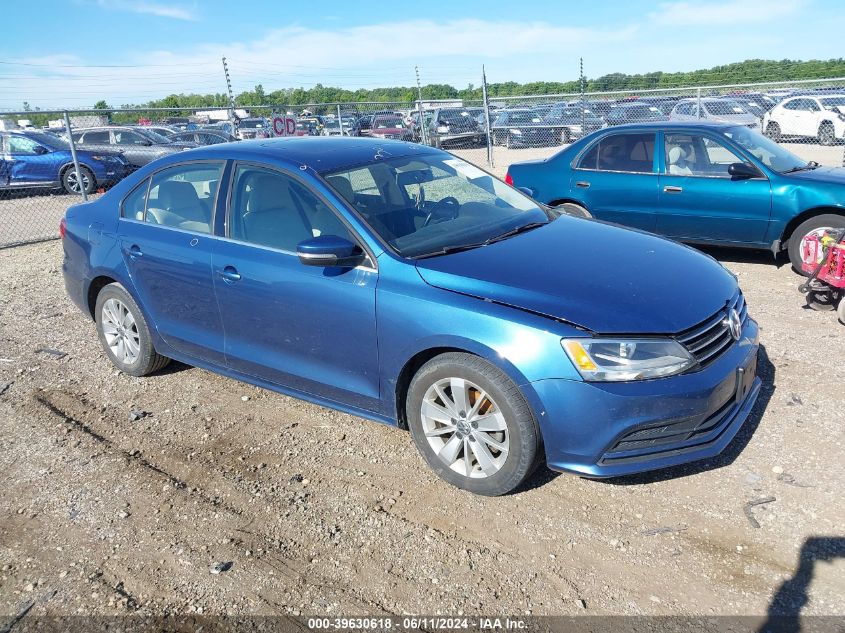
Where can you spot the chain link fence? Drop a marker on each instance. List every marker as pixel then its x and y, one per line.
pixel 51 160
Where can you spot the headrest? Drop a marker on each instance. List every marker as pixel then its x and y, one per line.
pixel 269 192
pixel 676 154
pixel 342 185
pixel 177 194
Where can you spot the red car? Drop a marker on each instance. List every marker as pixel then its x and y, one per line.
pixel 390 126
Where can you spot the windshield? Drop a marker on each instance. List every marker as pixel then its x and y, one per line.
pixel 766 151
pixel 388 123
pixel 252 123
pixel 726 107
pixel 525 118
pixel 425 205
pixel 833 102
pixel 155 136
pixel 455 115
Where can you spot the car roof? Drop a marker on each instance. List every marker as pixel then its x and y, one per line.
pixel 710 124
pixel 320 153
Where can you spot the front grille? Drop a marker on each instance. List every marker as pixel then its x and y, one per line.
pixel 708 340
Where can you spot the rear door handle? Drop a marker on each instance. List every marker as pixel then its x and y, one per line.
pixel 583 184
pixel 671 189
pixel 230 274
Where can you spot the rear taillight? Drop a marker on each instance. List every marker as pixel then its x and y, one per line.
pixel 509 179
pixel 62 228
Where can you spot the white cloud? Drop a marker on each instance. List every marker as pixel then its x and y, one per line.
pixel 150 8
pixel 739 13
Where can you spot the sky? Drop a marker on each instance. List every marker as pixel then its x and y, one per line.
pixel 72 53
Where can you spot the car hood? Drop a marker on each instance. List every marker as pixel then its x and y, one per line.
pixel 595 275
pixel 821 174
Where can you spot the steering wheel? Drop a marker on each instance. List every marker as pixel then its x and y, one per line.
pixel 452 206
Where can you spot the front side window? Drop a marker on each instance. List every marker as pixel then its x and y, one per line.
pixel 183 196
pixel 101 136
pixel 22 145
pixel 269 208
pixel 621 152
pixel 697 155
pixel 765 150
pixel 124 137
pixel 428 205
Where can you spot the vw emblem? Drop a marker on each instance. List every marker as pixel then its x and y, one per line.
pixel 734 324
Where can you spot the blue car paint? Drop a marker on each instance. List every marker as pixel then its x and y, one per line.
pixel 753 213
pixel 355 331
pixel 46 170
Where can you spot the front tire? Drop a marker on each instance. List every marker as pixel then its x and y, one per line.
pixel 827 134
pixel 124 333
pixel 472 425
pixel 816 225
pixel 70 182
pixel 576 210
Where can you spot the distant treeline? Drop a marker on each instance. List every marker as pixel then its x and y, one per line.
pixel 749 71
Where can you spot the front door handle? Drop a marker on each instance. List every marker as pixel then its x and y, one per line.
pixel 671 189
pixel 230 274
pixel 583 184
pixel 134 251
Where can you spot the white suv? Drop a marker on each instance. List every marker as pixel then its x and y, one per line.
pixel 810 116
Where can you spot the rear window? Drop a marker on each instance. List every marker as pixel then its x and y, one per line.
pixel 621 153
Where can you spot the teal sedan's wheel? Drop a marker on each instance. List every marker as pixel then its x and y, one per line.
pixel 816 226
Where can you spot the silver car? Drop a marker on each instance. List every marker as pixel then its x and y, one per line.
pixel 714 109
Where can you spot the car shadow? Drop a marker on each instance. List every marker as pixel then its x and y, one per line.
pixel 743 255
pixel 784 612
pixel 766 372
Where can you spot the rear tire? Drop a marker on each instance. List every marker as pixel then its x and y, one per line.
pixel 815 225
pixel 827 134
pixel 472 424
pixel 840 311
pixel 124 333
pixel 773 131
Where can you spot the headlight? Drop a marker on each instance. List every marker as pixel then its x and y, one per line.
pixel 442 129
pixel 104 159
pixel 604 359
pixel 513 130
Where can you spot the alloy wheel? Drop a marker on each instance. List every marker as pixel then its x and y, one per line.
pixel 817 233
pixel 465 427
pixel 73 181
pixel 121 331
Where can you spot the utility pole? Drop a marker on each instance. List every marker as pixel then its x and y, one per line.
pixel 423 129
pixel 232 116
pixel 486 115
pixel 583 103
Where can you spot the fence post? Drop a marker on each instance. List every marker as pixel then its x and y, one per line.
pixel 339 119
pixel 486 116
pixel 70 140
pixel 698 101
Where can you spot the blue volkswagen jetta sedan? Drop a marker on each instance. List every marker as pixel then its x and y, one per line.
pixel 399 283
pixel 701 182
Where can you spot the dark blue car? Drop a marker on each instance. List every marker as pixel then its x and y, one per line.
pixel 702 183
pixel 401 284
pixel 41 160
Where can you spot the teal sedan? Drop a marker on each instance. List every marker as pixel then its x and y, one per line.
pixel 702 183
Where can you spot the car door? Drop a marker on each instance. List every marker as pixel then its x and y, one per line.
pixel 700 201
pixel 789 117
pixel 32 163
pixel 165 234
pixel 135 147
pixel 808 117
pixel 616 179
pixel 307 328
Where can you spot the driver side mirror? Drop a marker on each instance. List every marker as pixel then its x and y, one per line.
pixel 40 150
pixel 742 171
pixel 329 250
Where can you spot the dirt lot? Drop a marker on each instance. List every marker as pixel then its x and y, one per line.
pixel 118 494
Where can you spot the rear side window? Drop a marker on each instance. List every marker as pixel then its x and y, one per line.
pixel 183 196
pixel 135 203
pixel 621 153
pixel 96 137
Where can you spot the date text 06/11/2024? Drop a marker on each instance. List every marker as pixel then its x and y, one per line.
pixel 416 623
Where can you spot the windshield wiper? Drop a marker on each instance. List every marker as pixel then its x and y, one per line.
pixel 490 240
pixel 809 166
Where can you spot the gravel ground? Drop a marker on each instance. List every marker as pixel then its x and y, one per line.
pixel 120 494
